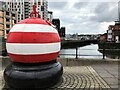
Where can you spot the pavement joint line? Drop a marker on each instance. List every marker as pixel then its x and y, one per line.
pixel 94 76
pixel 99 79
pixel 110 73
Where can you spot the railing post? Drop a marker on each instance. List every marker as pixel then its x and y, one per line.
pixel 76 52
pixel 103 53
pixel 104 50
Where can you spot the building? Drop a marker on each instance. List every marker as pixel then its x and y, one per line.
pixel 50 16
pixel 109 33
pixel 116 32
pixel 56 22
pixel 113 33
pixel 62 32
pixel 7 20
pixel 1 20
pixel 23 8
pixel 103 37
pixel 16 6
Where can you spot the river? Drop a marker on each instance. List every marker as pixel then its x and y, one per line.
pixel 89 51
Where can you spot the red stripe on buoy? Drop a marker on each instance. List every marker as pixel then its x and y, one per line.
pixel 33 37
pixel 33 58
pixel 34 21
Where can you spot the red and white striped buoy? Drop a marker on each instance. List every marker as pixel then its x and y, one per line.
pixel 33 40
pixel 35 43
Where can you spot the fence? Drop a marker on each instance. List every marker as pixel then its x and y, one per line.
pixel 114 53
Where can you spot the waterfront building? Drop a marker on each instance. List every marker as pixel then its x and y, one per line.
pixel 7 20
pixel 103 37
pixel 114 32
pixel 109 33
pixel 23 8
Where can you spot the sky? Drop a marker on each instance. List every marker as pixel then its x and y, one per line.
pixel 85 16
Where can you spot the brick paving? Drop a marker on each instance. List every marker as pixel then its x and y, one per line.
pixel 1 77
pixel 82 77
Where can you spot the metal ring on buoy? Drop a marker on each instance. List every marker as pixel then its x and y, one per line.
pixel 34 12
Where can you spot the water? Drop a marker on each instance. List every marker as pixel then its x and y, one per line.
pixel 90 51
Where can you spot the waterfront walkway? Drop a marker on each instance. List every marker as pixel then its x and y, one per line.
pixel 84 75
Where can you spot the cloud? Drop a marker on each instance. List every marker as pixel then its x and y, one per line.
pixel 79 5
pixel 57 5
pixel 105 12
pixel 85 17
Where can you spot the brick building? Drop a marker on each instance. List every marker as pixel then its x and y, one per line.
pixel 113 32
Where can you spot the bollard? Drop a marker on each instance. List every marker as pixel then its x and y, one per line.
pixel 33 46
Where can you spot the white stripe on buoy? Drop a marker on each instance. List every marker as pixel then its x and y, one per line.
pixel 33 28
pixel 30 49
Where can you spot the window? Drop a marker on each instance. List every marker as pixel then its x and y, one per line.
pixel 7 13
pixel 7 31
pixel 7 26
pixel 13 15
pixel 14 21
pixel 42 8
pixel 7 20
pixel 38 3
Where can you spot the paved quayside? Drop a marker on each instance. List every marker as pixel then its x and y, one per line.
pixel 86 75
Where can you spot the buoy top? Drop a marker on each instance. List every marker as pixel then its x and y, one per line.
pixel 34 21
pixel 34 12
pixel 34 18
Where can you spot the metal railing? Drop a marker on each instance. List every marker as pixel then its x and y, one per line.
pixel 103 52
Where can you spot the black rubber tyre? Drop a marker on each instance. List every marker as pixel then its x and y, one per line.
pixel 43 75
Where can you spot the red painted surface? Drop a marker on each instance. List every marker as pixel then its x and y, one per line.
pixel 33 37
pixel 34 12
pixel 34 20
pixel 33 58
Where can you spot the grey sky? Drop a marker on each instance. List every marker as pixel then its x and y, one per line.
pixel 85 17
